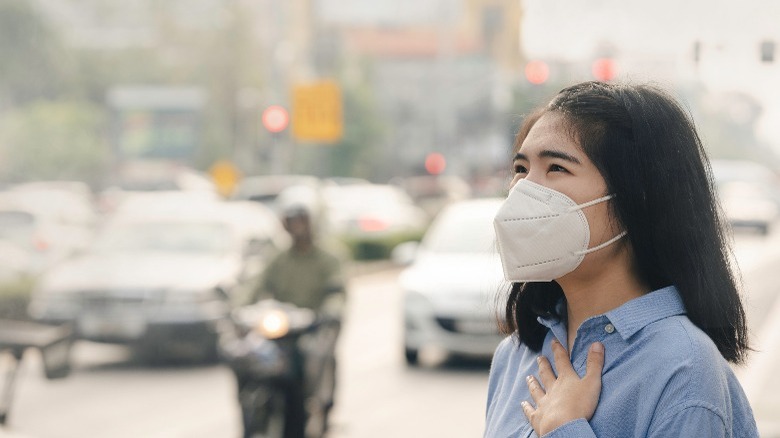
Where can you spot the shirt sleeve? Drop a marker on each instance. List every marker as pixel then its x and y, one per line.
pixel 690 421
pixel 497 365
pixel 264 287
pixel 335 279
pixel 579 428
pixel 693 420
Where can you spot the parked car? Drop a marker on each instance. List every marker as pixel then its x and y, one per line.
pixel 749 205
pixel 749 193
pixel 451 284
pixel 161 277
pixel 377 216
pixel 49 224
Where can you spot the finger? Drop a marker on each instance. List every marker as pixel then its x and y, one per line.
pixel 546 373
pixel 595 362
pixel 536 390
pixel 528 410
pixel 561 357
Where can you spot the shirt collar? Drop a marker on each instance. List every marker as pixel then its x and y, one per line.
pixel 633 315
pixel 645 310
pixel 556 325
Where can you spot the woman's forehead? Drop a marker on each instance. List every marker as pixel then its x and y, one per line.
pixel 551 131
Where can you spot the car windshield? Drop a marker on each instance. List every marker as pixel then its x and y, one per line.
pixel 205 238
pixel 463 230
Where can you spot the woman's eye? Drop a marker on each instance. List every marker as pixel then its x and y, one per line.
pixel 519 168
pixel 557 168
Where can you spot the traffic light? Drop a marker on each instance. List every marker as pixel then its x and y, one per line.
pixel 537 72
pixel 767 51
pixel 435 163
pixel 604 69
pixel 275 119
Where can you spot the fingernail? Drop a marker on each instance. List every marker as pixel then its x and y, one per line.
pixel 529 378
pixel 539 360
pixel 597 347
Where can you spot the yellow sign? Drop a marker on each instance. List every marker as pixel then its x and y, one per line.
pixel 226 176
pixel 317 112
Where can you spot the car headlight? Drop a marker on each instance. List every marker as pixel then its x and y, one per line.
pixel 274 324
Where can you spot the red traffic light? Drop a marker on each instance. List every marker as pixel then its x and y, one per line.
pixel 604 69
pixel 435 163
pixel 275 119
pixel 537 72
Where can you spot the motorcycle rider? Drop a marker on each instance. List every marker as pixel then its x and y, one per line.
pixel 306 275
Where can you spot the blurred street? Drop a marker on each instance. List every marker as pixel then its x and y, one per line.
pixel 111 394
pixel 149 150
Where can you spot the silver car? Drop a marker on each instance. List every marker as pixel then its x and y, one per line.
pixel 163 278
pixel 453 284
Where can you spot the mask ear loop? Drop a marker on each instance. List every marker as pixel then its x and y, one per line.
pixel 603 245
pixel 589 203
pixel 608 242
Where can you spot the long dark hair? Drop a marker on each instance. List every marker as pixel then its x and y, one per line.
pixel 646 147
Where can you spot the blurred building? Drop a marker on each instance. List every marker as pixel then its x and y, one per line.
pixel 442 72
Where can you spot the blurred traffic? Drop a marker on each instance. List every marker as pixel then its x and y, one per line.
pixel 147 149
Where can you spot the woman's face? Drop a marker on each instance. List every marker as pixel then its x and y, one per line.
pixel 550 157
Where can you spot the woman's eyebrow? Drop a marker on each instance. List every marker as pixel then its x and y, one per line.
pixel 550 153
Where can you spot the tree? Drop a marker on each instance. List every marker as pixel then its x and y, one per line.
pixel 34 63
pixel 53 141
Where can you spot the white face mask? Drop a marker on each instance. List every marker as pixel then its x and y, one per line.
pixel 542 234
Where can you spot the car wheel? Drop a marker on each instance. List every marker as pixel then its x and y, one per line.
pixel 412 356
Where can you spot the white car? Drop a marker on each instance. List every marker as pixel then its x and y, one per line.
pixel 749 205
pixel 452 286
pixel 162 278
pixel 48 223
pixel 369 212
pixel 266 188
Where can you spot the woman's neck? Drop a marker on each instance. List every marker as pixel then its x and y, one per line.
pixel 591 295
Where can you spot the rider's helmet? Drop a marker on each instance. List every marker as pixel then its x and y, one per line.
pixel 301 201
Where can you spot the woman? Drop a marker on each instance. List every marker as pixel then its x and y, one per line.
pixel 624 310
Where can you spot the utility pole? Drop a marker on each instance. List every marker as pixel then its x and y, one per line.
pixel 445 106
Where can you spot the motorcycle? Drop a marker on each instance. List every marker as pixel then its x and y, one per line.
pixel 283 360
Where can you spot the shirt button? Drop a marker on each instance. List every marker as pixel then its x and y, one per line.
pixel 609 328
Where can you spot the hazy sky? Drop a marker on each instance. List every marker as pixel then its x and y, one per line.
pixel 662 32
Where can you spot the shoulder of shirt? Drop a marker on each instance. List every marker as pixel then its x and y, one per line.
pixel 694 362
pixel 682 339
pixel 694 371
pixel 326 254
pixel 510 347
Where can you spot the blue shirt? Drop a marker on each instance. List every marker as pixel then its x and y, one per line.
pixel 662 377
